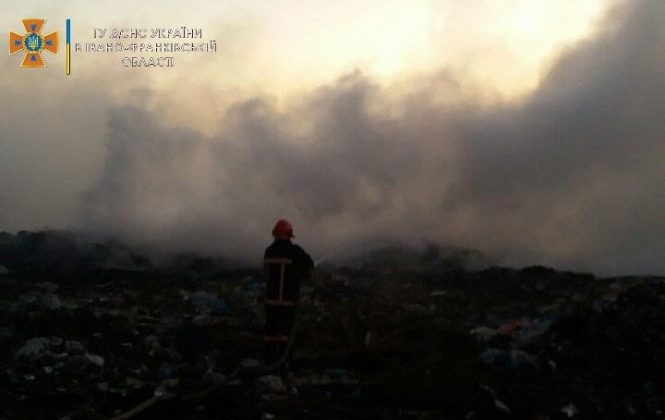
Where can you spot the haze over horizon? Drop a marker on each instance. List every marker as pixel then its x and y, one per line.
pixel 531 133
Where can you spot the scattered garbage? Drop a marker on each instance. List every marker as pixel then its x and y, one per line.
pixel 210 303
pixel 38 346
pixel 509 327
pixel 160 391
pixel 51 301
pixel 73 346
pixel 510 359
pixel 484 333
pixel 532 330
pixel 366 345
pixel 494 356
pixel 501 406
pixel 151 342
pixel 95 359
pixel 272 383
pixel 205 320
pixel 213 378
pixel 570 410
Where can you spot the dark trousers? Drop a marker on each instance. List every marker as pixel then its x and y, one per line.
pixel 279 325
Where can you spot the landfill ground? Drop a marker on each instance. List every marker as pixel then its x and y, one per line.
pixel 373 341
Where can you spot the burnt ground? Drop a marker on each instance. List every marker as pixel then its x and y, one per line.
pixel 371 343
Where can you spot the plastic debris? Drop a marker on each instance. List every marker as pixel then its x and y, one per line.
pixel 37 346
pixel 210 303
pixel 368 339
pixel 160 391
pixel 74 346
pixel 33 347
pixel 272 383
pixel 205 320
pixel 513 359
pixel 494 356
pixel 151 341
pixel 501 405
pixel 509 327
pixel 51 302
pixel 483 333
pixel 569 410
pixel 213 378
pixel 531 330
pixel 95 359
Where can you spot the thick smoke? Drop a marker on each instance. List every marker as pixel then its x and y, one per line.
pixel 571 175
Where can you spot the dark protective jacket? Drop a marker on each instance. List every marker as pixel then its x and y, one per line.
pixel 284 248
pixel 286 265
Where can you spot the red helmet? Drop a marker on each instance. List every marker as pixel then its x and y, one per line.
pixel 282 229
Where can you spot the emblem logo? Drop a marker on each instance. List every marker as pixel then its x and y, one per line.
pixel 33 43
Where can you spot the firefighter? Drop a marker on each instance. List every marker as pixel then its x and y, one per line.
pixel 286 265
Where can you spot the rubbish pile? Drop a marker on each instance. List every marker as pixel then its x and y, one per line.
pixel 371 343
